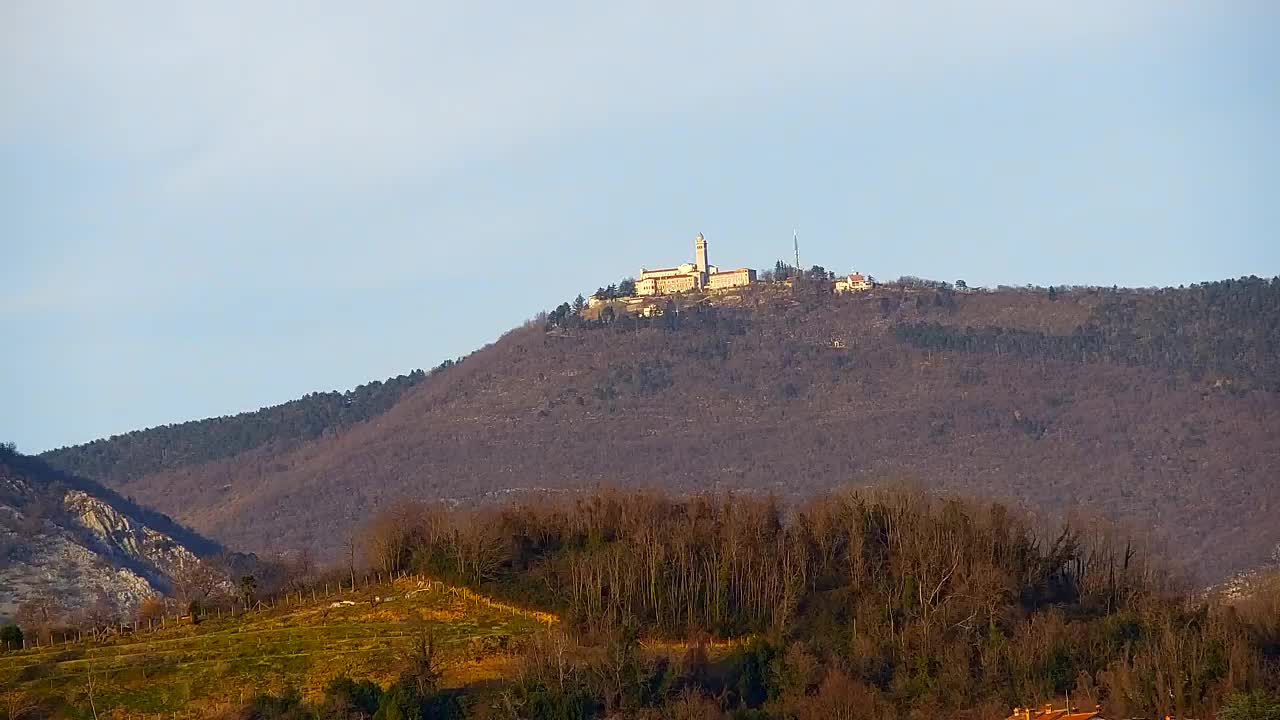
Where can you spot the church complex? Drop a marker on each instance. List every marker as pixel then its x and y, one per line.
pixel 701 276
pixel 697 275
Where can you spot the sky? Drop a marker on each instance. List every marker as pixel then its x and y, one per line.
pixel 210 207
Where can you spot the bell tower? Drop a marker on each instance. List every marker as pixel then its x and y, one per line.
pixel 700 254
pixel 700 260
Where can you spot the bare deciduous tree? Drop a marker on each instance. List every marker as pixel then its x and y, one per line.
pixel 18 705
pixel 195 581
pixel 37 617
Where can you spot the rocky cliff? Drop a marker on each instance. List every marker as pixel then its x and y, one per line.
pixel 65 539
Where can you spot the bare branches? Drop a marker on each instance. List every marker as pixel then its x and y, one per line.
pixel 195 581
pixel 18 704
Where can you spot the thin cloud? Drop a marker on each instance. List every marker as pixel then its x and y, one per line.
pixel 245 94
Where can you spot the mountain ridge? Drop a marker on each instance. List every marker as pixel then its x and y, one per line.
pixel 1164 427
pixel 208 439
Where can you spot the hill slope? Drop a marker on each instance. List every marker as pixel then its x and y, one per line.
pixel 70 540
pixel 120 457
pixel 299 646
pixel 1156 409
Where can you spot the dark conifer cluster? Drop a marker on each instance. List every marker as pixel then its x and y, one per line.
pixel 142 452
pixel 1230 328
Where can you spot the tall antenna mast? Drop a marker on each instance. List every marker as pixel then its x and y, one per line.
pixel 795 240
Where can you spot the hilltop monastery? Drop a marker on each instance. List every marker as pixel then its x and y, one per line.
pixel 697 275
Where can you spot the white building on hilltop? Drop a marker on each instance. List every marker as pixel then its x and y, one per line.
pixel 854 282
pixel 697 275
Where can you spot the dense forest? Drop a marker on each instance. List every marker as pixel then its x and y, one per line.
pixel 794 391
pixel 1228 329
pixel 143 452
pixel 855 605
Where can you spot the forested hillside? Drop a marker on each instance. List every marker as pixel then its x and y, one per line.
pixel 877 605
pixel 1227 331
pixel 123 457
pixel 1157 409
pixel 864 605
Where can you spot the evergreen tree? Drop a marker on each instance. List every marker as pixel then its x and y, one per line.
pixel 10 638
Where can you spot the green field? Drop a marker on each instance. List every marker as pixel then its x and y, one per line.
pixel 188 669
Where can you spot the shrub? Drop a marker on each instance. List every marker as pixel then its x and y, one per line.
pixel 401 702
pixel 1255 705
pixel 344 697
pixel 287 706
pixel 151 609
pixel 10 638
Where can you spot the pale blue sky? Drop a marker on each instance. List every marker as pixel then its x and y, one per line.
pixel 210 207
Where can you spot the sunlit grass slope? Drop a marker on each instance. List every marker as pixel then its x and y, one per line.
pixel 189 668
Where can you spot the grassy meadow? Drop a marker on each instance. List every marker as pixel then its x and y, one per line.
pixel 185 669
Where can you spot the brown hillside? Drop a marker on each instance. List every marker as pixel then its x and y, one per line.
pixel 788 394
